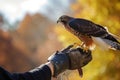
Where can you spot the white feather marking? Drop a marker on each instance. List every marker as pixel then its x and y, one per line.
pixel 92 47
pixel 103 45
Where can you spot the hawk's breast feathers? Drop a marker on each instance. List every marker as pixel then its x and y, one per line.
pixel 86 27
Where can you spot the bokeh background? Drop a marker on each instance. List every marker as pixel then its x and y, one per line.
pixel 29 34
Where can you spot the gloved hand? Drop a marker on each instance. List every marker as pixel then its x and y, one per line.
pixel 69 59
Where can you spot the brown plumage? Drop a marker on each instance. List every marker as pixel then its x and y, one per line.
pixel 89 33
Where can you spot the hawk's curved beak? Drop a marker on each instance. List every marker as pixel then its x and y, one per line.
pixel 58 20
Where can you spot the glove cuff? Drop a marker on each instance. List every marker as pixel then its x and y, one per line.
pixel 60 62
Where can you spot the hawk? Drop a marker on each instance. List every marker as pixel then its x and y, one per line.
pixel 90 33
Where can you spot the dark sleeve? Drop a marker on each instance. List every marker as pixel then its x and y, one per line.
pixel 40 73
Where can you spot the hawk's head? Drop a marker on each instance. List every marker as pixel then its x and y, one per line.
pixel 64 19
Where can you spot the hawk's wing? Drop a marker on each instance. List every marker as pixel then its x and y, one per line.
pixel 86 27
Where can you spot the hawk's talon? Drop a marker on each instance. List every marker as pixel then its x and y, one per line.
pixel 82 44
pixel 85 49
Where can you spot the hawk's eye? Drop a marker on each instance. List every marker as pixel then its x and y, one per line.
pixel 61 18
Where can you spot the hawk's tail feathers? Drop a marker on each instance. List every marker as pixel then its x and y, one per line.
pixel 105 44
pixel 113 45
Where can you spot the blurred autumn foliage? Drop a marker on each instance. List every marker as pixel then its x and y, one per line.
pixel 105 64
pixel 28 46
